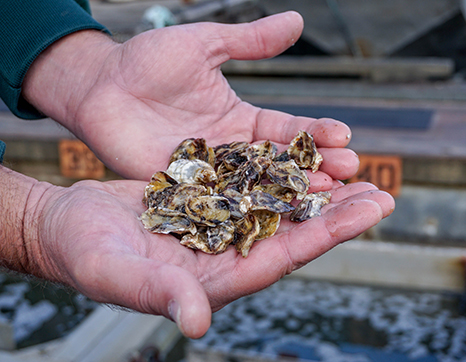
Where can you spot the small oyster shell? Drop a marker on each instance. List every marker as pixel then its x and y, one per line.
pixel 231 155
pixel 175 197
pixel 282 193
pixel 266 149
pixel 208 210
pixel 211 240
pixel 247 229
pixel 196 242
pixel 269 222
pixel 282 157
pixel 303 150
pixel 219 237
pixel 259 200
pixel 191 171
pixel 310 206
pixel 245 177
pixel 192 149
pixel 159 181
pixel 165 221
pixel 288 174
pixel 234 197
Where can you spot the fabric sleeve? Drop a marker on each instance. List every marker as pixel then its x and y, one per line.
pixel 28 27
pixel 2 150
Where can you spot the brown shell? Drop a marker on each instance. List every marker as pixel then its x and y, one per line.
pixel 269 222
pixel 165 221
pixel 211 240
pixel 282 193
pixel 219 237
pixel 247 230
pixel 246 176
pixel 231 155
pixel 266 149
pixel 234 197
pixel 175 197
pixel 208 210
pixel 259 200
pixel 197 241
pixel 303 150
pixel 288 174
pixel 159 181
pixel 192 149
pixel 310 206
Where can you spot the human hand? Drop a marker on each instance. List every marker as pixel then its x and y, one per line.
pixel 88 236
pixel 133 103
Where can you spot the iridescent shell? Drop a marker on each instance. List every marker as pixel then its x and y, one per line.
pixel 303 150
pixel 159 181
pixel 247 229
pixel 288 174
pixel 282 193
pixel 191 171
pixel 192 149
pixel 310 206
pixel 165 221
pixel 269 223
pixel 259 200
pixel 208 210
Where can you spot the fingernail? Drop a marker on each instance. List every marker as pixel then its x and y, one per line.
pixel 175 312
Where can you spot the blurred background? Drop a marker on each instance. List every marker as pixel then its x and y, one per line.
pixel 394 70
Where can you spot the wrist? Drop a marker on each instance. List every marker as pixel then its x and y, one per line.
pixel 63 74
pixel 22 200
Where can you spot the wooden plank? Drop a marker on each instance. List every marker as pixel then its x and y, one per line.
pixel 391 264
pixel 383 171
pixel 378 69
pixel 78 162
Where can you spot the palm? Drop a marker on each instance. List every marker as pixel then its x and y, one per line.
pixel 196 102
pixel 104 251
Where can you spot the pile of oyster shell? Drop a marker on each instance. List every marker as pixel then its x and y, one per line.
pixel 234 193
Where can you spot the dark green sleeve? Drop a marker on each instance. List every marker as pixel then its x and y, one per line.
pixel 27 27
pixel 2 150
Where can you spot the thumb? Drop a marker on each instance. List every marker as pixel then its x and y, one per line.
pixel 260 39
pixel 151 287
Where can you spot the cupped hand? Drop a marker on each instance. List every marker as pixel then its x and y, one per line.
pixel 166 85
pixel 91 239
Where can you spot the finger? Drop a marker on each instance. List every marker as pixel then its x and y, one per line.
pixel 381 197
pixel 282 127
pixel 269 260
pixel 150 287
pixel 306 241
pixel 319 181
pixel 348 194
pixel 339 163
pixel 263 38
pixel 351 189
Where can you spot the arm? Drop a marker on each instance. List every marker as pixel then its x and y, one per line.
pixel 19 196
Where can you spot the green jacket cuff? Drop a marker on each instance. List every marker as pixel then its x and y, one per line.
pixel 28 27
